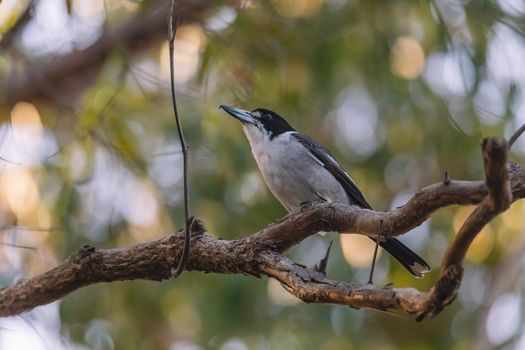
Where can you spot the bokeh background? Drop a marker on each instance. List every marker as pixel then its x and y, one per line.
pixel 399 91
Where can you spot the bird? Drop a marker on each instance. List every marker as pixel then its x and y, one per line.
pixel 298 170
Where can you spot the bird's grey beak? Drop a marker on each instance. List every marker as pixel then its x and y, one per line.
pixel 240 114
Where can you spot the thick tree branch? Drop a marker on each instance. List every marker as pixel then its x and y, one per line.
pixel 261 253
pixel 498 199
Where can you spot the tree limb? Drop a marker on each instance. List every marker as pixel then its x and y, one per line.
pixel 261 253
pixel 497 201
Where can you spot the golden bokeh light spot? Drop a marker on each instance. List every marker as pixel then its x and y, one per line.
pixel 297 8
pixel 143 215
pixel 358 250
pixel 25 114
pixel 460 216
pixel 19 191
pixel 278 295
pixel 88 9
pixel 484 241
pixel 481 246
pixel 190 42
pixel 194 34
pixel 407 58
pixel 26 126
pixel 149 231
pixel 508 234
pixel 514 218
pixel 43 217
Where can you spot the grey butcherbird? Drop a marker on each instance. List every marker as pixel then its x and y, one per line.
pixel 297 169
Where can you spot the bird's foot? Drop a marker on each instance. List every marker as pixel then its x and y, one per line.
pixel 306 205
pixel 309 204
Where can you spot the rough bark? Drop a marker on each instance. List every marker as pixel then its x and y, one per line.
pixel 260 254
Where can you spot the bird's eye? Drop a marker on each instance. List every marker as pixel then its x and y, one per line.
pixel 267 117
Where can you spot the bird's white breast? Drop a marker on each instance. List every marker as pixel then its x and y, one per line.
pixel 290 171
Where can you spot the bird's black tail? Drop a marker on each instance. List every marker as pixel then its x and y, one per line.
pixel 410 260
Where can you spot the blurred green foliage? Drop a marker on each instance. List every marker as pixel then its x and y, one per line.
pixel 398 95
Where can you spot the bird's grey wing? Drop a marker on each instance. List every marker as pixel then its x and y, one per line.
pixel 328 161
pixel 410 260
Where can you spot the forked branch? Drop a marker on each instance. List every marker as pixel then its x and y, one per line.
pixel 261 253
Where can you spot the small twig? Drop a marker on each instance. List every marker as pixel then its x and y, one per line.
pixel 26 247
pixel 516 135
pixel 32 229
pixel 323 264
pixel 446 180
pixel 172 31
pixel 444 28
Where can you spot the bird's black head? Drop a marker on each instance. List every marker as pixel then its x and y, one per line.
pixel 272 121
pixel 264 119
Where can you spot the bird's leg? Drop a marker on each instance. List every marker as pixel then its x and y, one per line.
pixel 370 278
pixel 308 204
